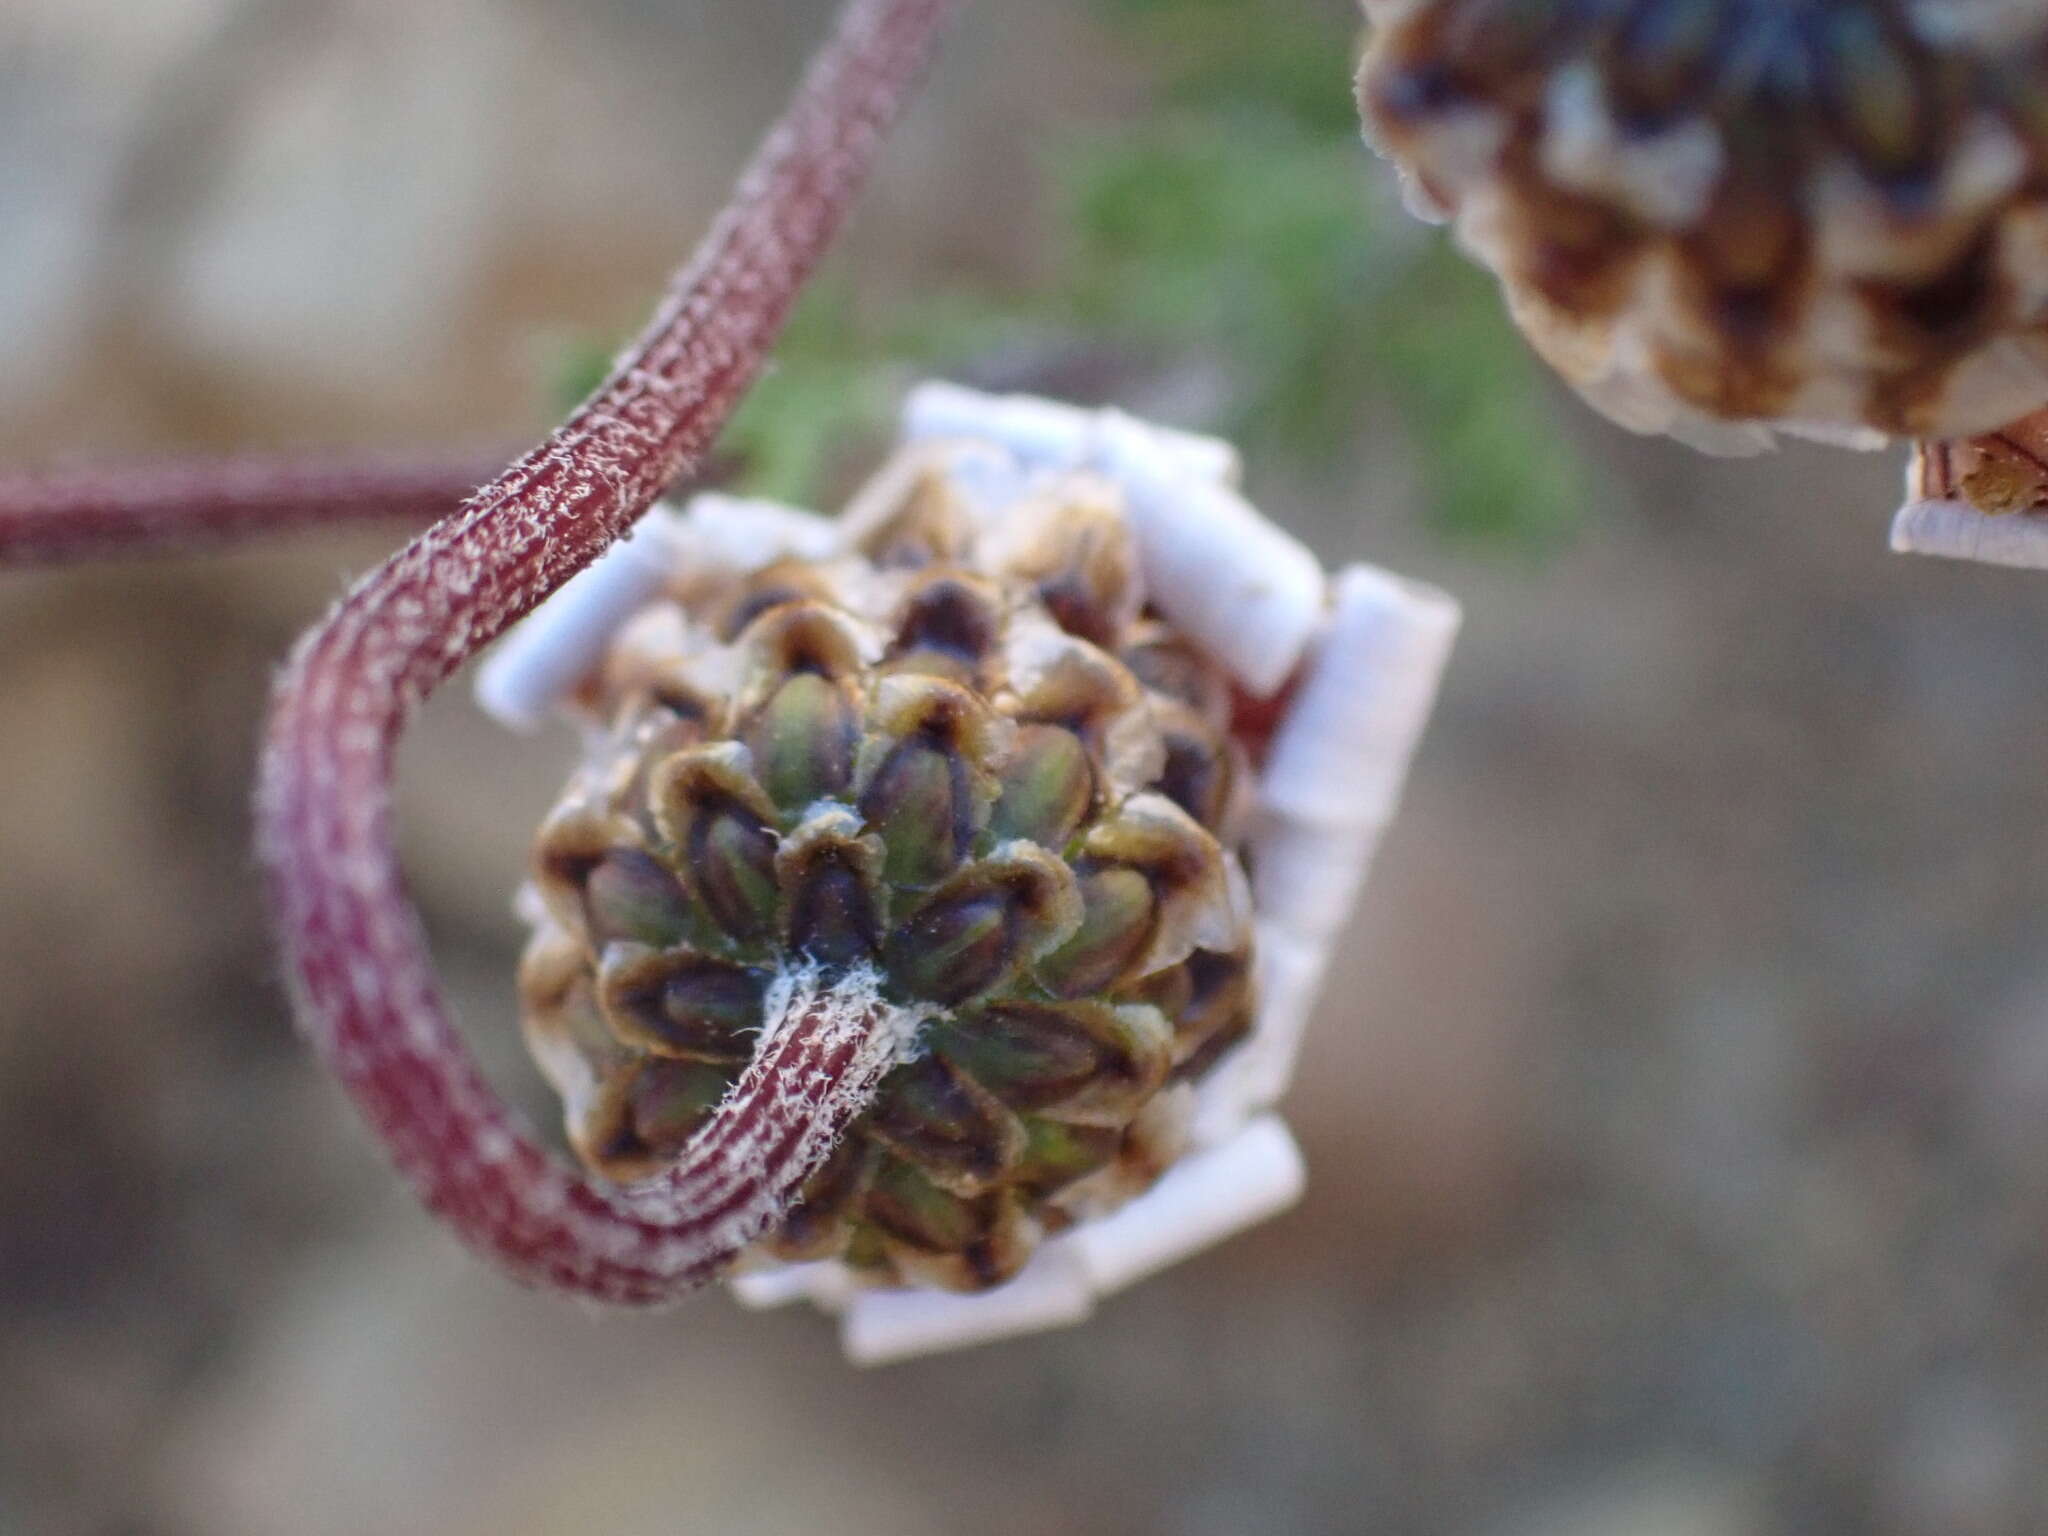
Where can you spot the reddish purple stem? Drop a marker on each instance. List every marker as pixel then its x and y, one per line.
pixel 68 516
pixel 354 953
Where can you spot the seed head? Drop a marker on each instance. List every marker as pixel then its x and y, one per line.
pixel 960 752
pixel 1718 215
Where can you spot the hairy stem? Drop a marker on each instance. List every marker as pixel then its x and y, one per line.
pixel 353 950
pixel 68 516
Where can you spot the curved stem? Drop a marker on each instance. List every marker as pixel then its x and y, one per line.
pixel 67 516
pixel 354 952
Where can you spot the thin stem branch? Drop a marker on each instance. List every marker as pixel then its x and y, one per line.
pixel 354 953
pixel 65 517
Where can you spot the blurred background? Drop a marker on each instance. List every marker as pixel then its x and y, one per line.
pixel 1678 1117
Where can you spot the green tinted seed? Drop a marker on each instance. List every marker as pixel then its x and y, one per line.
pixel 867 1252
pixel 818 1224
pixel 1085 1061
pixel 732 860
pixel 802 741
pixel 1047 787
pixel 954 948
pixel 1119 914
pixel 918 802
pixel 832 916
pixel 681 1004
pixel 909 1207
pixel 1057 1153
pixel 670 1099
pixel 955 1131
pixel 629 894
pixel 1030 1055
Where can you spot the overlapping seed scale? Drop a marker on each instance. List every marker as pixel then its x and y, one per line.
pixel 602 881
pixel 1090 1062
pixel 681 1003
pixel 949 624
pixel 913 517
pixel 1154 888
pixel 783 582
pixel 626 1112
pixel 916 1230
pixel 1072 549
pixel 925 777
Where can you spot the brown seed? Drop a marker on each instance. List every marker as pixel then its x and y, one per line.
pixel 935 1116
pixel 1219 1013
pixel 1704 237
pixel 1056 1153
pixel 1664 59
pixel 912 515
pixel 786 581
pixel 677 1003
pixel 1047 787
pixel 983 925
pixel 565 1028
pixel 1877 87
pixel 631 895
pixel 818 1225
pixel 924 785
pixel 947 628
pixel 1169 989
pixel 1119 915
pixel 718 818
pixel 1076 551
pixel 802 740
pixel 1064 681
pixel 1085 1061
pixel 573 841
pixel 833 901
pixel 1175 667
pixel 1201 765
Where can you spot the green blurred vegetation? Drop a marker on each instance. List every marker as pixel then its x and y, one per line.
pixel 1241 228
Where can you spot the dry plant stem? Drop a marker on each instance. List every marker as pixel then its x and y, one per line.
pixel 70 516
pixel 1999 472
pixel 355 956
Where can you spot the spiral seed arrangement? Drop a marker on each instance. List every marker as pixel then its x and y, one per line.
pixel 980 757
pixel 955 763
